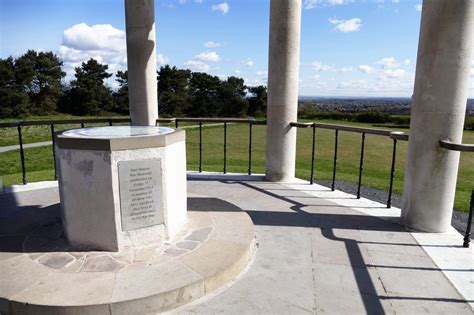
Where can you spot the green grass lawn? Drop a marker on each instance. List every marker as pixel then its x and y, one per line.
pixel 378 151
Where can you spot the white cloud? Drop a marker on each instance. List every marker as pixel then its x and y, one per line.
pixel 346 69
pixel 196 65
pixel 388 62
pixel 198 62
pixel 365 68
pixel 346 26
pixel 407 61
pixel 311 4
pixel 352 84
pixel 319 66
pixel 262 73
pixel 96 37
pixel 161 59
pixel 223 7
pixel 211 56
pixel 101 42
pixel 248 62
pixel 418 7
pixel 394 73
pixel 238 71
pixel 212 44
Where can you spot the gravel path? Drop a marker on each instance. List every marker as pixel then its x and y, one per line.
pixel 459 220
pixel 26 146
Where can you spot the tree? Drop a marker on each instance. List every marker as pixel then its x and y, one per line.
pixel 173 85
pixel 231 94
pixel 121 95
pixel 14 101
pixel 88 95
pixel 203 92
pixel 40 74
pixel 307 110
pixel 257 101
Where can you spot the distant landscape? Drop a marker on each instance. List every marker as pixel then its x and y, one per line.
pixel 380 110
pixel 388 105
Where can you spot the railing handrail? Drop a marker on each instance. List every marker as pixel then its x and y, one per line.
pixel 125 120
pixel 462 147
pixel 371 131
pixel 216 120
pixel 398 135
pixel 394 135
pixel 62 122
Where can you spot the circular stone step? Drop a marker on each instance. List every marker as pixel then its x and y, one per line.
pixel 214 247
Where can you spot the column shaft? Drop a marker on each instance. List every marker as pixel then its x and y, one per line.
pixel 283 71
pixel 141 59
pixel 438 111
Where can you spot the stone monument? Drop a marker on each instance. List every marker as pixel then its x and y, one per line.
pixel 121 187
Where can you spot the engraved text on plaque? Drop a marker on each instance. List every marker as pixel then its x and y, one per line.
pixel 140 194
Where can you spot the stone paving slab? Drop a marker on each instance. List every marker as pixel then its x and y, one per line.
pixel 54 277
pixel 322 252
pixel 318 256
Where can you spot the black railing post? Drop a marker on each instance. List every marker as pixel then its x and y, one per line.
pixel 250 148
pixel 313 153
pixel 22 155
pixel 110 122
pixel 335 160
pixel 82 125
pixel 200 147
pixel 225 147
pixel 467 237
pixel 54 152
pixel 392 173
pixel 176 123
pixel 361 164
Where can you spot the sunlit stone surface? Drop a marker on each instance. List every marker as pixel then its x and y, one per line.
pixel 121 187
pixel 117 132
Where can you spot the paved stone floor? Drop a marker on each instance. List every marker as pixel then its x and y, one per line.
pixel 40 273
pixel 316 256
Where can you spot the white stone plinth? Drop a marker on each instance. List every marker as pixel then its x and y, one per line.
pixel 119 193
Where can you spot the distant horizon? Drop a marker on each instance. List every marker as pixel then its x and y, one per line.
pixel 354 97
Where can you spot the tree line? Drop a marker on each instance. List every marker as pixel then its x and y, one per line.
pixel 33 84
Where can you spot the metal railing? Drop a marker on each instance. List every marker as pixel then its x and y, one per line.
pixel 225 122
pixel 395 136
pixel 110 121
pixel 445 144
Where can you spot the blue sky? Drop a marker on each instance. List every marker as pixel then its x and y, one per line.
pixel 348 47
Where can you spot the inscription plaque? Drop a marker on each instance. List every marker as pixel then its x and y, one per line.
pixel 140 194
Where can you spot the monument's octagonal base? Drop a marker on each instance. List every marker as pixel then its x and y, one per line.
pixel 51 277
pixel 121 187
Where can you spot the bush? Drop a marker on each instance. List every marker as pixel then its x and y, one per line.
pixel 373 117
pixel 469 123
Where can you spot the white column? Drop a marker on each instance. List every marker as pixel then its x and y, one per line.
pixel 283 71
pixel 438 110
pixel 141 59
